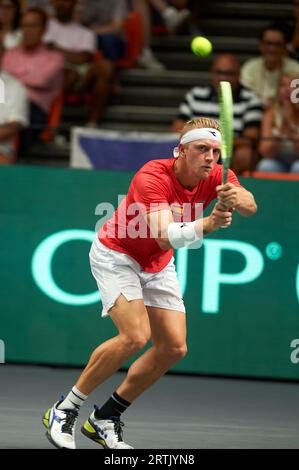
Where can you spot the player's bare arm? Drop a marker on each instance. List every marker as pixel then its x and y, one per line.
pixel 160 221
pixel 236 197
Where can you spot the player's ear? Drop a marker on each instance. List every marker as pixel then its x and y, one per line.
pixel 182 150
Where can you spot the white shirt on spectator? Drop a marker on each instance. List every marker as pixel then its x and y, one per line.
pixel 12 39
pixel 256 77
pixel 70 36
pixel 15 106
pixel 14 109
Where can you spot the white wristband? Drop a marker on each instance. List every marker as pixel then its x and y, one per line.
pixel 183 234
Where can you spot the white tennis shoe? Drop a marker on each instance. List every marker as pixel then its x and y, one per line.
pixel 106 432
pixel 61 426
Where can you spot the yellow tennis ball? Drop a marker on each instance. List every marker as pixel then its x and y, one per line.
pixel 201 46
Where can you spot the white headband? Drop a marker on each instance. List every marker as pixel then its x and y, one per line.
pixel 198 134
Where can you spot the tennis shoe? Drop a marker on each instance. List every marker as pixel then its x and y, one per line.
pixel 106 432
pixel 61 426
pixel 174 18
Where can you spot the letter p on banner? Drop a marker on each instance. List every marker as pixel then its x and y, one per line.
pixel 2 352
pixel 214 278
pixel 2 91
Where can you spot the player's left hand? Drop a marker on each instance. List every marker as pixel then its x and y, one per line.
pixel 228 195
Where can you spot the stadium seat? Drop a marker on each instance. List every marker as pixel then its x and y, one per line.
pixel 134 40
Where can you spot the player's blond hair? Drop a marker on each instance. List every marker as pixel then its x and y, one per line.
pixel 199 123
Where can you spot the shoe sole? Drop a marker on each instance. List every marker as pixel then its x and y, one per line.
pixel 45 421
pixel 89 432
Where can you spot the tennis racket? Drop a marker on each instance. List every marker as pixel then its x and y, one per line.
pixel 226 125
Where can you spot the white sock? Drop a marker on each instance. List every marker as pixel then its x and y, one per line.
pixel 73 401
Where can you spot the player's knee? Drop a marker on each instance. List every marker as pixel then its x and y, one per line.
pixel 134 342
pixel 178 352
pixel 175 353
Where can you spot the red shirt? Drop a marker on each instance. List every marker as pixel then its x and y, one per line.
pixel 156 187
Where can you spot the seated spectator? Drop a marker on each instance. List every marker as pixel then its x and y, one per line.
pixel 248 110
pixel 262 74
pixel 106 19
pixel 78 46
pixel 10 14
pixel 172 18
pixel 279 146
pixel 13 115
pixel 37 68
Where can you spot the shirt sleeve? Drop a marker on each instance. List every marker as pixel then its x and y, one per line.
pixel 147 189
pixel 87 42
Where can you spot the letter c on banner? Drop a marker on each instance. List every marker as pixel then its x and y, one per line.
pixel 41 267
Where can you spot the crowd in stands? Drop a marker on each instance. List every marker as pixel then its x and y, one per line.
pixel 52 49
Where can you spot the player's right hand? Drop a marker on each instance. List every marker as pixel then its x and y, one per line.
pixel 220 216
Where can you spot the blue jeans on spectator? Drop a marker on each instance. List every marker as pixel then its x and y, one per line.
pixel 112 46
pixel 268 165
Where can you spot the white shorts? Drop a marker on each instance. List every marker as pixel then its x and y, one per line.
pixel 117 273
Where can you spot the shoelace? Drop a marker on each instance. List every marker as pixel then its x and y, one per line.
pixel 69 421
pixel 118 425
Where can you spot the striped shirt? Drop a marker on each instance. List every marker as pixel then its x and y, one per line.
pixel 203 101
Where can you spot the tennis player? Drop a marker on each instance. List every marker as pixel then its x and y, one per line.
pixel 137 280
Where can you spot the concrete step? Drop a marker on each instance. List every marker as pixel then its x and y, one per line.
pixel 233 27
pixel 137 114
pixel 165 78
pixel 220 44
pixel 261 10
pixel 188 61
pixel 150 96
pixel 47 154
pixel 131 126
pixel 74 114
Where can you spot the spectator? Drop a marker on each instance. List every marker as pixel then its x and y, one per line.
pixel 203 101
pixel 37 68
pixel 13 115
pixel 10 14
pixel 77 44
pixel 294 27
pixel 262 74
pixel 106 19
pixel 279 146
pixel 172 18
